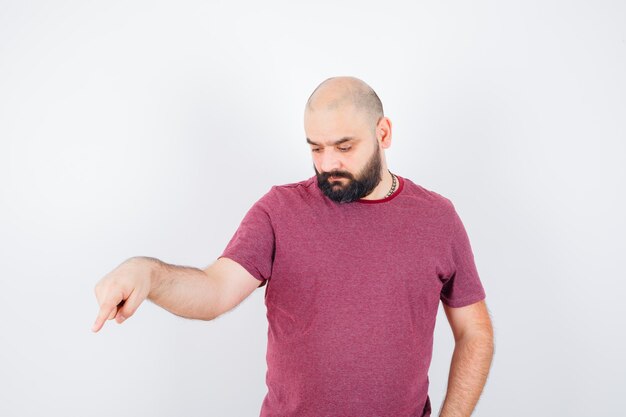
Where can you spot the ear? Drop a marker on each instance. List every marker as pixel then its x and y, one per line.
pixel 383 132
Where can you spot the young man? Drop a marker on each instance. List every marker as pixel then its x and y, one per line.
pixel 355 260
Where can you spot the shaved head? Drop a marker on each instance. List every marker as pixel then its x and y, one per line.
pixel 340 92
pixel 347 134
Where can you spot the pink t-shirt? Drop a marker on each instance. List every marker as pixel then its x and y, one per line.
pixel 352 295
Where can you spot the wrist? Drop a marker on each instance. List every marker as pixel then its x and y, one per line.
pixel 149 268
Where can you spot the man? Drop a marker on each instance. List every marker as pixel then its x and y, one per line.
pixel 355 260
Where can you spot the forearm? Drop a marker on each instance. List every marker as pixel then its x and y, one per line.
pixel 182 290
pixel 470 365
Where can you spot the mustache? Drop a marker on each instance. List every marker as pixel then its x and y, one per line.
pixel 327 175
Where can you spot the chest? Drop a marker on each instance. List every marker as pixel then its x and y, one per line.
pixel 345 258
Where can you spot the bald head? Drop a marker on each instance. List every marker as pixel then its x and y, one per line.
pixel 340 92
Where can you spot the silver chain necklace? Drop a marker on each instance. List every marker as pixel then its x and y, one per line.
pixel 393 185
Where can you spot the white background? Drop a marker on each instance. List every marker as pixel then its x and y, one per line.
pixel 149 128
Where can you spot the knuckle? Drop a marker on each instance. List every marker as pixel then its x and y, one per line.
pixel 127 310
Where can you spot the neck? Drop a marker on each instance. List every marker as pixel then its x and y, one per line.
pixel 382 188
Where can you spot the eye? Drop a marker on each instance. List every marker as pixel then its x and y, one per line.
pixel 345 149
pixel 315 150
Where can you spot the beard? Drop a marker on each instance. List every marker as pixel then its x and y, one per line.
pixel 351 189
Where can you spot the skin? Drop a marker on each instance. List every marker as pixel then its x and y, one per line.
pixel 331 115
pixel 471 360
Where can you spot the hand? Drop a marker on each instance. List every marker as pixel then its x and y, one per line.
pixel 120 292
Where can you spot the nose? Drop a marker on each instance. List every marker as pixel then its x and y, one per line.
pixel 329 162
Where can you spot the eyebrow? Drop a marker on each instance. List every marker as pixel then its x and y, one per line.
pixel 337 142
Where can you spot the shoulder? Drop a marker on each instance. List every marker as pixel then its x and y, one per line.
pixel 431 206
pixel 428 198
pixel 295 187
pixel 290 194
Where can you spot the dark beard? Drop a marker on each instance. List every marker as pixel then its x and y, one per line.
pixel 354 189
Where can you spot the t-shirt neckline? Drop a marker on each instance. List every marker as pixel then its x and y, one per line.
pixel 384 200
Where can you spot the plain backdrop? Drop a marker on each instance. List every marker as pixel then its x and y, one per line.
pixel 149 128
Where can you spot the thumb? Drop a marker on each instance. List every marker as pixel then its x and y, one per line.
pixel 129 307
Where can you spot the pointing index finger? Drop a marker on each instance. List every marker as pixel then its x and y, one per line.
pixel 105 310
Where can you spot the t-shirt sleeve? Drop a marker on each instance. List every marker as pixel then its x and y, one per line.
pixel 461 285
pixel 252 246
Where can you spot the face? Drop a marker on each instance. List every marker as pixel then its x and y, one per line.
pixel 343 187
pixel 350 169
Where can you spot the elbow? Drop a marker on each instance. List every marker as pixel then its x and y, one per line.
pixel 212 314
pixel 482 338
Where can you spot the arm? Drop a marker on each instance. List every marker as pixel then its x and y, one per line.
pixel 200 294
pixel 471 360
pixel 185 291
